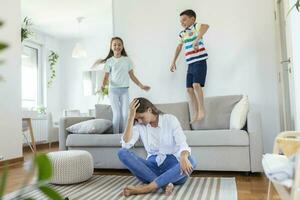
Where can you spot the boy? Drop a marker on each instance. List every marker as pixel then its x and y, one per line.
pixel 195 55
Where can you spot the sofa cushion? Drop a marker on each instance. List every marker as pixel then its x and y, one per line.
pixel 91 126
pixel 239 114
pixel 194 138
pixel 180 110
pixel 217 112
pixel 98 140
pixel 217 138
pixel 103 111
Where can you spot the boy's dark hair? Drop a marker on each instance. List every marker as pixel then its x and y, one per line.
pixel 189 13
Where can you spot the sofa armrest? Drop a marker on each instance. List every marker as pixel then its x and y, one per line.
pixel 255 140
pixel 64 123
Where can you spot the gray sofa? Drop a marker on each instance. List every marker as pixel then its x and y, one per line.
pixel 214 145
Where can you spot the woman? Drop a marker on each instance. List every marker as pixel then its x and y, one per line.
pixel 169 160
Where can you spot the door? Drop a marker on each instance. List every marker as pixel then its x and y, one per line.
pixel 285 72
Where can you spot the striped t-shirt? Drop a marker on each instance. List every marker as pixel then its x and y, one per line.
pixel 187 37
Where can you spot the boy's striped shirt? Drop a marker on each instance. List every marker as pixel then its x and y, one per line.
pixel 187 37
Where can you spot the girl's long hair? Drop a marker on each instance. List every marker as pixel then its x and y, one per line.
pixel 111 53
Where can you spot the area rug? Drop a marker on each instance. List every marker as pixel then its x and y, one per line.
pixel 104 187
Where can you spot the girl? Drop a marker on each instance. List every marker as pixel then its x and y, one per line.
pixel 169 158
pixel 118 69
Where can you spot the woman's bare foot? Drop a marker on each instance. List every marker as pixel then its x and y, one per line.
pixel 169 189
pixel 131 190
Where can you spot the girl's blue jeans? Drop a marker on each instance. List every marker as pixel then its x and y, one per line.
pixel 119 101
pixel 147 171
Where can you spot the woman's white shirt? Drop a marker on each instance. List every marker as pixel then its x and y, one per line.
pixel 167 138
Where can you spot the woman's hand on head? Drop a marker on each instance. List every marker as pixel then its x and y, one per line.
pixel 133 107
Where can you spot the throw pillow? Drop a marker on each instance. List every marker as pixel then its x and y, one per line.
pixel 94 126
pixel 217 112
pixel 239 113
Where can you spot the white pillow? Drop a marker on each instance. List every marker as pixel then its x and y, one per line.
pixel 91 126
pixel 239 113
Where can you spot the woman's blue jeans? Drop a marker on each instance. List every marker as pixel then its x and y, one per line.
pixel 147 170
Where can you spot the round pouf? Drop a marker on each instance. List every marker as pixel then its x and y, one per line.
pixel 70 167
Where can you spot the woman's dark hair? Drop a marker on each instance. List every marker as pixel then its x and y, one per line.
pixel 189 13
pixel 145 104
pixel 111 53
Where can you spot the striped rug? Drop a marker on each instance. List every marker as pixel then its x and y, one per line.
pixel 110 188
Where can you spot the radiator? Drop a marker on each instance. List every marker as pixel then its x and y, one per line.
pixel 40 130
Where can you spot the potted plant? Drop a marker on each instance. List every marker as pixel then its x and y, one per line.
pixel 26 31
pixel 41 110
pixel 52 58
pixel 101 94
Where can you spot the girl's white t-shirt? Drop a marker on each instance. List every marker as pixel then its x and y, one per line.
pixel 118 69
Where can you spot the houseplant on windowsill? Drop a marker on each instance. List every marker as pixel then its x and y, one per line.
pixel 101 94
pixel 41 110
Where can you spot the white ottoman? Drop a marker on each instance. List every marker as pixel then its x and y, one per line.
pixel 70 167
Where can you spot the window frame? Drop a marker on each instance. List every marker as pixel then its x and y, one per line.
pixel 41 92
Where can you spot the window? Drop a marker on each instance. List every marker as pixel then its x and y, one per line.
pixel 32 77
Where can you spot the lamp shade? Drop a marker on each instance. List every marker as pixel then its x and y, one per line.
pixel 79 51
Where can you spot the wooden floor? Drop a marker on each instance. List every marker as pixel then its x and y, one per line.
pixel 250 187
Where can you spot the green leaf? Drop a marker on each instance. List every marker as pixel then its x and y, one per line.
pixel 3 180
pixel 52 194
pixel 44 167
pixel 29 198
pixel 3 46
pixel 297 5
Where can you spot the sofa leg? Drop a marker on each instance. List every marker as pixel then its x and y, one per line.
pixel 248 173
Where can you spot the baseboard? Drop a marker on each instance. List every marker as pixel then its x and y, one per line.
pixel 12 161
pixel 41 146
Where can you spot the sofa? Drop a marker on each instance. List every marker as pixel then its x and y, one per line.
pixel 214 145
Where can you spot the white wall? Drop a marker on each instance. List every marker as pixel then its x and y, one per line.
pixel 71 81
pixel 10 91
pixel 52 94
pixel 294 19
pixel 54 100
pixel 240 42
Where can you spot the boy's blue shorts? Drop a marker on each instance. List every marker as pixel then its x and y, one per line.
pixel 196 73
